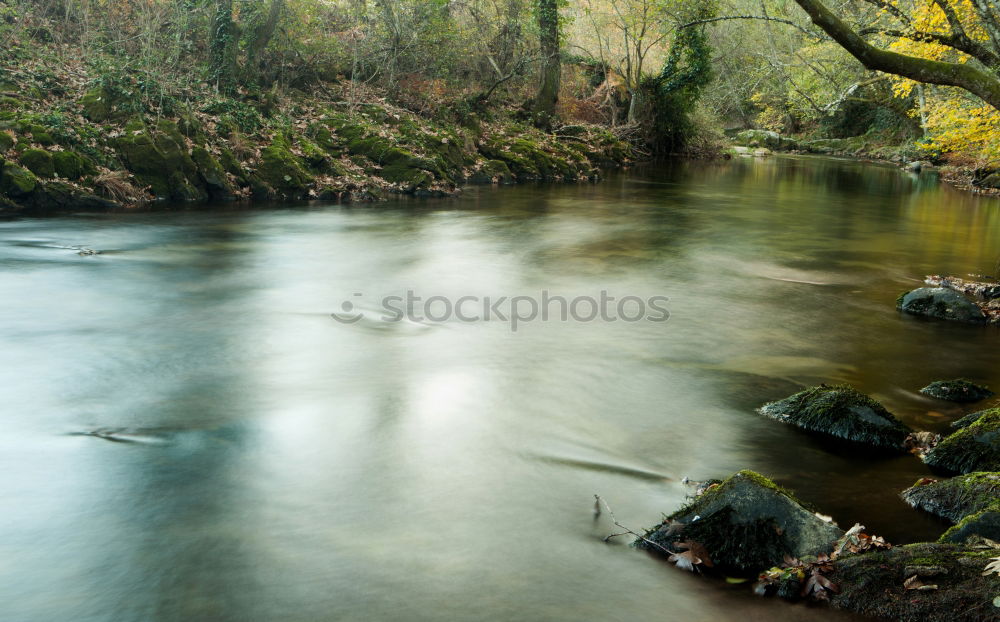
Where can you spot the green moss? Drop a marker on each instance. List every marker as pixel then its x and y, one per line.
pixel 6 141
pixel 985 523
pixel 212 174
pixel 232 165
pixel 957 497
pixel 97 105
pixel 959 390
pixel 410 178
pixel 975 447
pixel 872 584
pixel 159 160
pixel 746 522
pixel 71 165
pixel 41 135
pixel 971 418
pixel 39 162
pixel 282 170
pixel 17 182
pixel 842 412
pixel 317 159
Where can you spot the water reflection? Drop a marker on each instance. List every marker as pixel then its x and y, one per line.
pixel 305 469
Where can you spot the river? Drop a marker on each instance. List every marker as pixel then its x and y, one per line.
pixel 262 460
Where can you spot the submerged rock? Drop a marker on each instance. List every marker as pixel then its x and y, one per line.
pixel 881 583
pixel 941 303
pixel 975 447
pixel 841 412
pixel 745 523
pixel 959 390
pixel 957 497
pixel 985 524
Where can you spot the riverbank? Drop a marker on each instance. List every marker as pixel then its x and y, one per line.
pixel 76 139
pixel 957 172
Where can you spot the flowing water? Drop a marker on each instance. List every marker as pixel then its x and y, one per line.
pixel 189 435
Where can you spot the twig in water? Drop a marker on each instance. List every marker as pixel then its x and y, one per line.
pixel 625 530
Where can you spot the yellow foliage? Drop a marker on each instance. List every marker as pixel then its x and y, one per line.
pixel 959 126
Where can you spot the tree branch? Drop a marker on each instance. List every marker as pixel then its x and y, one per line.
pixel 976 81
pixel 954 40
pixel 765 18
pixel 891 9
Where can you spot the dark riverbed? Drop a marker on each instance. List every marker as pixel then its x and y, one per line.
pixel 279 465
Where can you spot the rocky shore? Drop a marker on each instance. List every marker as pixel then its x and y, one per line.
pixel 746 527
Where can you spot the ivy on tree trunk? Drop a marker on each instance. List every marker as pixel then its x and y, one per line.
pixel 548 88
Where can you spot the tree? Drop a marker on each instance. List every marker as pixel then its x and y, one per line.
pixel 975 77
pixel 551 72
pixel 224 42
pixel 627 33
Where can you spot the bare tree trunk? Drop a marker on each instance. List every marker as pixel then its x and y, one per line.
pixel 548 88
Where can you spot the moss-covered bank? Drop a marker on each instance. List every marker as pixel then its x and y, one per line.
pixel 102 148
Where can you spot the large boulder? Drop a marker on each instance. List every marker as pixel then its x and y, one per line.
pixel 841 412
pixel 160 160
pixel 959 390
pixel 895 584
pixel 16 182
pixel 940 303
pixel 745 523
pixel 765 138
pixel 975 447
pixel 957 497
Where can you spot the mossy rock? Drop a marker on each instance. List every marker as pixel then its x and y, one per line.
pixel 17 182
pixel 282 171
pixel 324 139
pixel 872 584
pixel 58 196
pixel 959 390
pixel 72 165
pixel 159 159
pixel 957 497
pixel 408 178
pixel 8 206
pixel 190 127
pixel 530 159
pixel 976 447
pixel 746 523
pixel 41 135
pixel 940 303
pixel 841 412
pixel 232 166
pixel 971 418
pixel 213 176
pixel 39 162
pixel 492 171
pixel 381 151
pixel 985 524
pixel 6 141
pixel 99 106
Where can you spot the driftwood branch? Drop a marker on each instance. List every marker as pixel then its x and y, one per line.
pixel 599 502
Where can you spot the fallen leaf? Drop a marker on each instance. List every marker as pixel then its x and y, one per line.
pixel 914 583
